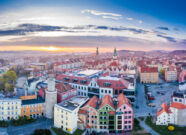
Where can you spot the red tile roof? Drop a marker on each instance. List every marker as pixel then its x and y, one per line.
pixel 178 105
pixel 122 100
pixel 165 108
pixel 92 102
pixel 149 69
pixel 107 99
pixel 82 111
pixel 114 64
pixel 61 87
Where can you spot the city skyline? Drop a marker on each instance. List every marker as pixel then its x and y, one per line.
pixel 78 26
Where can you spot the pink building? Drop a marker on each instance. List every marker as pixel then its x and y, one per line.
pixel 124 114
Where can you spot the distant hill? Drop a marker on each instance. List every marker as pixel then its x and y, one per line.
pixel 129 52
pixel 178 52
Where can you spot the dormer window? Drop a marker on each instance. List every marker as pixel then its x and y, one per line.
pixel 83 81
pixel 75 80
pixel 66 78
pixel 107 84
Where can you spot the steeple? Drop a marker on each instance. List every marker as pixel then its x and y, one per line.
pixel 97 53
pixel 115 56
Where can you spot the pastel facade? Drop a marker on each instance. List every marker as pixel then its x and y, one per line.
pixel 33 108
pixel 149 75
pixel 10 108
pixel 111 115
pixel 171 75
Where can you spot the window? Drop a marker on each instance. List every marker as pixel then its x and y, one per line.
pixel 119 117
pixel 100 118
pixel 129 111
pixel 105 118
pixel 105 123
pixel 119 127
pixel 124 107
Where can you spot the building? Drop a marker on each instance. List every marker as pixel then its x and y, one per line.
pixel 149 75
pixel 124 115
pixel 66 114
pixel 33 106
pixel 10 108
pixel 50 97
pixel 65 92
pixel 111 115
pixel 182 80
pixel 88 115
pixel 175 113
pixel 171 74
pixel 68 65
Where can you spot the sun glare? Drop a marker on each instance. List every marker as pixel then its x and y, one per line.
pixel 51 48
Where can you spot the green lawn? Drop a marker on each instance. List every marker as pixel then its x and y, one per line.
pixel 3 123
pixel 21 121
pixel 163 130
pixel 58 131
pixel 137 126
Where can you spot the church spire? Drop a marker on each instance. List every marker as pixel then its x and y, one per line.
pixel 115 56
pixel 97 53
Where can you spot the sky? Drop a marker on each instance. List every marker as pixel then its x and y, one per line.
pixel 83 25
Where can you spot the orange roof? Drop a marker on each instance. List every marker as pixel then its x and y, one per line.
pixel 165 108
pixel 149 69
pixel 122 100
pixel 107 99
pixel 178 105
pixel 92 102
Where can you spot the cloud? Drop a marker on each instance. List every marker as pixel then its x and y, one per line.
pixel 129 19
pixel 163 28
pixel 23 29
pixel 140 21
pixel 106 15
pixel 171 39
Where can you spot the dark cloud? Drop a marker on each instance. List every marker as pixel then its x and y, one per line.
pixel 163 28
pixel 23 29
pixel 183 41
pixel 171 39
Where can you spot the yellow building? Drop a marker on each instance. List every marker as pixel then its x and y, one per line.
pixel 149 75
pixel 32 106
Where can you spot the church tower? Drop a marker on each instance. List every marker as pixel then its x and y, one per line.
pixel 97 54
pixel 115 56
pixel 51 97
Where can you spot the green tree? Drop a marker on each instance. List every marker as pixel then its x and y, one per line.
pixel 162 71
pixel 2 84
pixel 10 76
pixel 9 87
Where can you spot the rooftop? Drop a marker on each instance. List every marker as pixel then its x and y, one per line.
pixel 73 103
pixel 33 101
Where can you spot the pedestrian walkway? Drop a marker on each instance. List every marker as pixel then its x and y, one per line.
pixel 147 128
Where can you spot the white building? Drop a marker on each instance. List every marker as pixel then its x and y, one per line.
pixel 171 74
pixel 10 108
pixel 66 113
pixel 175 113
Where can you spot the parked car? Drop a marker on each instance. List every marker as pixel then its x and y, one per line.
pixel 151 98
pixel 152 105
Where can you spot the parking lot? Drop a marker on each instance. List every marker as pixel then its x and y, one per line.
pixel 161 93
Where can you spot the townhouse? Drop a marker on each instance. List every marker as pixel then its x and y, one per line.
pixel 111 115
pixel 171 74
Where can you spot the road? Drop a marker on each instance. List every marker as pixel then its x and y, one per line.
pixel 28 129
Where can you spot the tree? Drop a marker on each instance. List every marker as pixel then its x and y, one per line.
pixel 162 71
pixel 9 87
pixel 2 85
pixel 10 76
